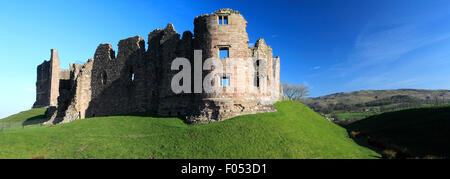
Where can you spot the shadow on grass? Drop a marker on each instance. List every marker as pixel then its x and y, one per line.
pixel 34 120
pixel 362 141
pixel 148 114
pixel 411 133
pixel 41 119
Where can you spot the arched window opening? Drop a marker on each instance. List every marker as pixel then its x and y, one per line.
pixel 132 75
pixel 104 78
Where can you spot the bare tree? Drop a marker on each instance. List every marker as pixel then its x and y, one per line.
pixel 295 92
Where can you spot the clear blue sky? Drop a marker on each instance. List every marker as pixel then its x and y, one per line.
pixel 332 46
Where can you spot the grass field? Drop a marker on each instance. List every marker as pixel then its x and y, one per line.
pixel 343 116
pixel 422 131
pixel 295 131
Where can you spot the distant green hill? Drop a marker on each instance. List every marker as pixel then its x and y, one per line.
pixel 422 131
pixel 295 131
pixel 363 96
pixel 352 106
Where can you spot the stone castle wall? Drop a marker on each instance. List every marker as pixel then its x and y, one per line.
pixel 139 79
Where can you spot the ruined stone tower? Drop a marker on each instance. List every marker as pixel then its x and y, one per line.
pixel 139 79
pixel 245 68
pixel 48 81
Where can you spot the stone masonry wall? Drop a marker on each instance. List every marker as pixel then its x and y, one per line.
pixel 139 79
pixel 43 85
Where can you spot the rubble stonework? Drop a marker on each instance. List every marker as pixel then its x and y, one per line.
pixel 139 79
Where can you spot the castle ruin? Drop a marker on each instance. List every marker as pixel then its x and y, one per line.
pixel 138 79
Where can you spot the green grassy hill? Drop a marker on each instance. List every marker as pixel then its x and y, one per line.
pixel 422 131
pixel 27 119
pixel 295 131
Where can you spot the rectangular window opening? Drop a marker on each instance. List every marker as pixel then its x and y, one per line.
pixel 224 53
pixel 257 81
pixel 225 81
pixel 223 20
pixel 257 78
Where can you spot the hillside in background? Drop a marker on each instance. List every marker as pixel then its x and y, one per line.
pixel 416 132
pixel 295 131
pixel 353 106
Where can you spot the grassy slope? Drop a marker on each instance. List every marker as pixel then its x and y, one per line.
pixel 423 131
pixel 293 132
pixel 25 119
